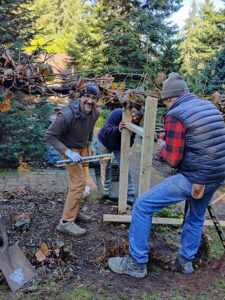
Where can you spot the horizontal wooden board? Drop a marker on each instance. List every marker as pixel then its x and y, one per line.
pixel 165 221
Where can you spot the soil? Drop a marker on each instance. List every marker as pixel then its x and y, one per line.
pixel 74 263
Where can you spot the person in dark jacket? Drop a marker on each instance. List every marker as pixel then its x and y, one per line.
pixel 194 143
pixel 71 133
pixel 109 140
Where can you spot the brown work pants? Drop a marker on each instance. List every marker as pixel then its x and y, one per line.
pixel 78 176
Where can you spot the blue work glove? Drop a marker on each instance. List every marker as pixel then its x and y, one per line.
pixel 73 156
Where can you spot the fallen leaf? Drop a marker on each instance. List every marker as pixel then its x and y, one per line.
pixel 40 256
pixel 5 106
pixel 122 226
pixel 160 78
pixel 57 251
pixel 23 167
pixel 44 249
pixel 215 97
pixel 210 239
pixel 23 216
pixel 81 84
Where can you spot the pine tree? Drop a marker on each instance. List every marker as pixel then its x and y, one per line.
pixel 88 44
pixel 121 36
pixel 16 24
pixel 202 37
pixel 168 60
pixel 134 33
pixel 57 22
pixel 212 77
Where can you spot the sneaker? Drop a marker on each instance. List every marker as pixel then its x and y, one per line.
pixel 183 265
pixel 127 265
pixel 82 217
pixel 131 199
pixel 71 228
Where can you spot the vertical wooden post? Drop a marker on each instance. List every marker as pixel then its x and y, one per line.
pixel 147 144
pixel 124 164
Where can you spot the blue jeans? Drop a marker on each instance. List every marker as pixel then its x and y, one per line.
pixel 106 174
pixel 170 191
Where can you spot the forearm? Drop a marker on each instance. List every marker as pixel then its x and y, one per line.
pixel 172 160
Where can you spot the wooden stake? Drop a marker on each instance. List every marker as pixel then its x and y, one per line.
pixel 124 164
pixel 218 199
pixel 137 129
pixel 147 144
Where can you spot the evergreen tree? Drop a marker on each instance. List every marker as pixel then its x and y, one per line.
pixel 168 60
pixel 202 37
pixel 135 33
pixel 22 137
pixel 121 36
pixel 212 77
pixel 16 24
pixel 58 22
pixel 88 44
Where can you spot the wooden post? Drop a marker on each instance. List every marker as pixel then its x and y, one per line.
pixel 124 164
pixel 147 144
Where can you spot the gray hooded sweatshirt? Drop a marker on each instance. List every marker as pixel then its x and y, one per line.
pixel 72 128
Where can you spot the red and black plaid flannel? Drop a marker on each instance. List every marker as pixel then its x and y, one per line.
pixel 172 151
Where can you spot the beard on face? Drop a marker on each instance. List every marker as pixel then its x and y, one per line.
pixel 87 107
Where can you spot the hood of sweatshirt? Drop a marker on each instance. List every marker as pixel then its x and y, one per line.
pixel 76 109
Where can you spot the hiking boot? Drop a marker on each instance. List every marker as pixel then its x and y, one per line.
pixel 127 265
pixel 183 265
pixel 82 217
pixel 131 199
pixel 71 228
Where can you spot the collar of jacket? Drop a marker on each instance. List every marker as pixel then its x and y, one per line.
pixel 178 101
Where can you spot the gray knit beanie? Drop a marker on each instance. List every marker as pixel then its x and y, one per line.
pixel 174 86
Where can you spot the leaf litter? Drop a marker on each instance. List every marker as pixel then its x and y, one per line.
pixel 69 262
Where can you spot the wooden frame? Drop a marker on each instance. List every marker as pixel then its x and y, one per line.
pixel 147 133
pixel 155 220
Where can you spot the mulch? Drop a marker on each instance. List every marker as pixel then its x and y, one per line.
pixel 72 263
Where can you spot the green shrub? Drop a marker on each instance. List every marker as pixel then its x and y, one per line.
pixel 102 118
pixel 22 136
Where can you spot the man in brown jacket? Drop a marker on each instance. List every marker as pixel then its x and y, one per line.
pixel 71 133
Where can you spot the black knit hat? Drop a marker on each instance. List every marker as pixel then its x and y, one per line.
pixel 90 88
pixel 174 86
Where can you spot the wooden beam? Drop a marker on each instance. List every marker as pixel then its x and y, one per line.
pixel 137 129
pixel 147 144
pixel 155 220
pixel 218 199
pixel 124 163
